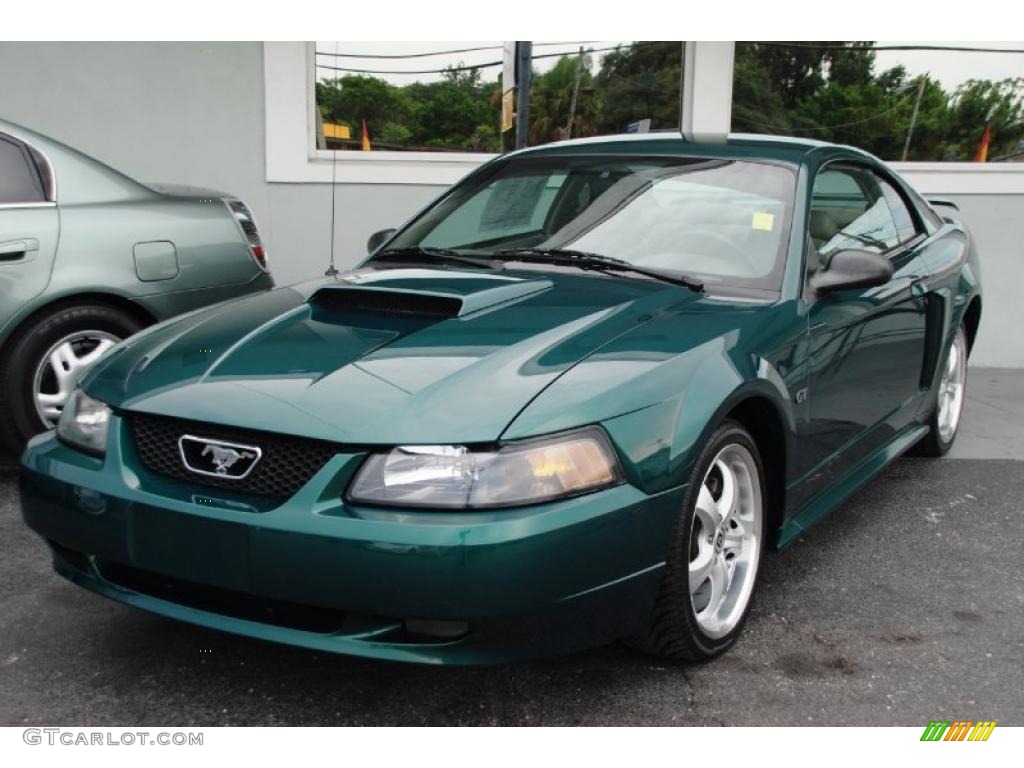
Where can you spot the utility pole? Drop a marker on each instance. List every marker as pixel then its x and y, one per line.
pixel 575 94
pixel 524 70
pixel 913 117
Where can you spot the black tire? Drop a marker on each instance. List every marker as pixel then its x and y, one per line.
pixel 933 445
pixel 18 417
pixel 674 632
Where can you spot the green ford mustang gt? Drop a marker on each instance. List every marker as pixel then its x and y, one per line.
pixel 572 401
pixel 88 257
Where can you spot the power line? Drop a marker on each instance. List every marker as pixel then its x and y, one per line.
pixel 462 68
pixel 893 108
pixel 438 53
pixel 817 47
pixel 459 68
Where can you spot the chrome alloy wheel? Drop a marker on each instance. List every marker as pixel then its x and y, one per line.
pixel 59 370
pixel 725 544
pixel 952 387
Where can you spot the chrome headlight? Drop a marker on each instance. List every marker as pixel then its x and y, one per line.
pixel 83 423
pixel 457 477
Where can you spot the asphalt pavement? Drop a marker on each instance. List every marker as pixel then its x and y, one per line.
pixel 907 605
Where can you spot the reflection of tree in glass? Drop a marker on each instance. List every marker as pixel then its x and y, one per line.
pixel 834 94
pixel 831 93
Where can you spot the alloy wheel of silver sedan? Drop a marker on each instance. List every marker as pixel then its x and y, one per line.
pixel 952 387
pixel 726 542
pixel 59 370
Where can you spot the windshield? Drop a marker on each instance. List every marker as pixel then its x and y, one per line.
pixel 724 222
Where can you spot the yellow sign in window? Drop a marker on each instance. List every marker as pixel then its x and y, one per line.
pixel 763 221
pixel 336 131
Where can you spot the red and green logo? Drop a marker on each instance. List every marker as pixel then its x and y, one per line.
pixel 958 730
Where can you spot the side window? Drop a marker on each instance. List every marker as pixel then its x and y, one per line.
pixel 19 180
pixel 849 210
pixel 906 230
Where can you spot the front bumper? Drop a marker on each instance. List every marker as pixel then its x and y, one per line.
pixel 319 573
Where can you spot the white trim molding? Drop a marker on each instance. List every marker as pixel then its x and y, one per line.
pixel 290 100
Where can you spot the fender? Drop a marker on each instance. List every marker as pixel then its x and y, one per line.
pixel 659 442
pixel 100 294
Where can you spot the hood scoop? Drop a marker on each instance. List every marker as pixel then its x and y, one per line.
pixel 456 299
pixel 387 302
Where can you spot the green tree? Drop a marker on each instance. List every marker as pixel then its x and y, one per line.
pixel 448 112
pixel 825 90
pixel 637 82
pixel 355 98
pixel 980 103
pixel 551 101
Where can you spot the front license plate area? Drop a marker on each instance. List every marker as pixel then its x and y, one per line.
pixel 191 547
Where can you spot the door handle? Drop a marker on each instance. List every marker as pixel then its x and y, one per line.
pixel 17 249
pixel 918 286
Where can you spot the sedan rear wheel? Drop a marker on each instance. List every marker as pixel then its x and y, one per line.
pixel 61 367
pixel 44 361
pixel 712 566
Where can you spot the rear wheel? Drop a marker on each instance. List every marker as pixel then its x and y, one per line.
pixel 715 553
pixel 945 419
pixel 45 361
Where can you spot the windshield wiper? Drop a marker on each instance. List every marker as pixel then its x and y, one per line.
pixel 597 262
pixel 418 252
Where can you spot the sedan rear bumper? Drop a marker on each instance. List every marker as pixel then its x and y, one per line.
pixel 317 573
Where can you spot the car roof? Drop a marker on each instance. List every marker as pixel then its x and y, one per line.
pixel 789 149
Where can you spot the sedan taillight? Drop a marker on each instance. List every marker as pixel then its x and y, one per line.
pixel 246 222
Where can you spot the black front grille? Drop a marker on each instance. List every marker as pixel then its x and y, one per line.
pixel 240 605
pixel 286 465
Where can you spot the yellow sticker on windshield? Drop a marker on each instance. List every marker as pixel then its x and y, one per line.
pixel 763 221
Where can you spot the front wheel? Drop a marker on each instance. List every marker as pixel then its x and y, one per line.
pixel 713 561
pixel 949 406
pixel 45 361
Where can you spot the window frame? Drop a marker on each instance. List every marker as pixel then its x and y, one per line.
pixel 920 228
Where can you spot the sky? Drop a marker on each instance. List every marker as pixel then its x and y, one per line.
pixel 950 67
pixel 438 62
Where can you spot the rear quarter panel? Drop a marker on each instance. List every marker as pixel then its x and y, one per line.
pixel 102 215
pixel 98 240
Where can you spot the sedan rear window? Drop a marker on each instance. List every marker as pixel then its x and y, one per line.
pixel 19 180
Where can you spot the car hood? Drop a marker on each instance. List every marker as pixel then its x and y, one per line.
pixel 380 357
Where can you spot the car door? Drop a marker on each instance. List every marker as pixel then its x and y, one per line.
pixel 867 346
pixel 29 225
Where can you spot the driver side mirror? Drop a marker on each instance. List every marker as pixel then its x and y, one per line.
pixel 852 268
pixel 377 239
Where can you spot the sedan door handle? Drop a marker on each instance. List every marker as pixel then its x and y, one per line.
pixel 17 249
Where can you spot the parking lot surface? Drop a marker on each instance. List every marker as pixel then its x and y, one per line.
pixel 905 606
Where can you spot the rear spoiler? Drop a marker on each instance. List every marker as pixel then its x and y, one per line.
pixel 942 201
